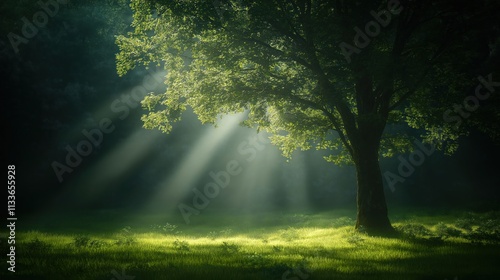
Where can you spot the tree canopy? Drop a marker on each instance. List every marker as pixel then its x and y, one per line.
pixel 318 73
pixel 284 62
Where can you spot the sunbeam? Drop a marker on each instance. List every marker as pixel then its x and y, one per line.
pixel 255 140
pixel 174 187
pixel 119 106
pixel 255 189
pixel 107 174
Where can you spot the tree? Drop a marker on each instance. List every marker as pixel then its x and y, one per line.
pixel 334 75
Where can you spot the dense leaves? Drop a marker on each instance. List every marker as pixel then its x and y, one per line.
pixel 280 61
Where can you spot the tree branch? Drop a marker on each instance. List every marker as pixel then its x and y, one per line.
pixel 278 52
pixel 336 124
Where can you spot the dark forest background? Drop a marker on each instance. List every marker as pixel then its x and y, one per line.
pixel 64 80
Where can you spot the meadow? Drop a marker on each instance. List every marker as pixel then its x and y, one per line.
pixel 295 246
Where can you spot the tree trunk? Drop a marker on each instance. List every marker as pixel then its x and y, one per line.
pixel 372 214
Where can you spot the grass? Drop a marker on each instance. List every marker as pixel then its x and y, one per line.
pixel 276 246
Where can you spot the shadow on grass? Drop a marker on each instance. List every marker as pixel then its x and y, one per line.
pixel 466 248
pixel 417 260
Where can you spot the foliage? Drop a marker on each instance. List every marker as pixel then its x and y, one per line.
pixel 84 241
pixel 181 245
pixel 355 238
pixel 281 62
pixel 255 261
pixel 446 231
pixel 230 248
pixel 480 228
pixel 37 245
pixel 215 234
pixel 342 221
pixel 477 229
pixel 166 229
pixel 125 240
pixel 277 248
pixel 284 64
pixel 414 230
pixel 320 251
pixel 290 234
pixel 81 241
pixel 126 237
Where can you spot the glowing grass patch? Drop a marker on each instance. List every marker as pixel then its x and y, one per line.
pixel 265 252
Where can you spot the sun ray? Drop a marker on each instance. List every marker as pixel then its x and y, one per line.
pixel 174 187
pixel 109 171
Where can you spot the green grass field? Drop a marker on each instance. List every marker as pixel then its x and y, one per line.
pixel 324 245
